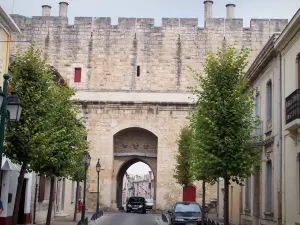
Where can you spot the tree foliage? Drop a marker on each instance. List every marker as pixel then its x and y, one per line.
pixel 49 138
pixel 63 133
pixel 223 119
pixel 183 172
pixel 32 80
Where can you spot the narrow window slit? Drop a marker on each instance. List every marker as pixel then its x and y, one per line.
pixel 138 71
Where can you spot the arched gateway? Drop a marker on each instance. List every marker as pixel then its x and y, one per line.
pixel 133 145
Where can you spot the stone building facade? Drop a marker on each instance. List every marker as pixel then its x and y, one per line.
pixel 133 78
pixel 260 198
pixel 63 202
pixel 288 48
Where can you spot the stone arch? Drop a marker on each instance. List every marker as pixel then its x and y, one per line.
pixel 115 129
pixel 130 161
pixel 131 145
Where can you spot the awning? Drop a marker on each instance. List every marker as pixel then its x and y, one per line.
pixel 8 165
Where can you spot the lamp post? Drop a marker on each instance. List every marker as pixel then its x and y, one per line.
pixel 86 161
pixel 10 110
pixel 98 168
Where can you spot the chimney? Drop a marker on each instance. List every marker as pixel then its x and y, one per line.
pixel 230 11
pixel 63 9
pixel 208 9
pixel 46 10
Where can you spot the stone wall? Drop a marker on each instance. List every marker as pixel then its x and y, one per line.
pixel 103 120
pixel 109 54
pixel 109 57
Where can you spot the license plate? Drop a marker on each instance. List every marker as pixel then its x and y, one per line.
pixel 135 208
pixel 191 224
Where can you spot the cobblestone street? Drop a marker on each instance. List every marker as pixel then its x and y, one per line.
pixel 122 218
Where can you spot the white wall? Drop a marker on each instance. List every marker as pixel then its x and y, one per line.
pixel 291 146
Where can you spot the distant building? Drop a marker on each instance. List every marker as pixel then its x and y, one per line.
pixel 136 185
pixel 144 185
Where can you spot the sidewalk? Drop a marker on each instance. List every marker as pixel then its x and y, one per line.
pixel 69 219
pixel 215 218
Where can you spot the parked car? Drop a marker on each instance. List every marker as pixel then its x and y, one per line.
pixel 149 203
pixel 136 204
pixel 185 213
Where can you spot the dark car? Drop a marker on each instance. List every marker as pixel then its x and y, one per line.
pixel 185 213
pixel 136 204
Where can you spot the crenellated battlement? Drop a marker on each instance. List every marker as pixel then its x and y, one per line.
pixel 148 23
pixel 136 54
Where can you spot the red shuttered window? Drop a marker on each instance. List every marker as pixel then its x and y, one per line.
pixel 77 75
pixel 42 188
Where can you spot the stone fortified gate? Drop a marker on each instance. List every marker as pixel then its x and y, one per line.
pixel 133 84
pixel 122 133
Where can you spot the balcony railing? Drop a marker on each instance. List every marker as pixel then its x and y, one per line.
pixel 292 106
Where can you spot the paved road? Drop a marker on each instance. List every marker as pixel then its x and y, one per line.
pixel 122 218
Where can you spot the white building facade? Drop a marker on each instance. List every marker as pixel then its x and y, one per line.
pixel 260 199
pixel 63 202
pixel 288 48
pixel 9 182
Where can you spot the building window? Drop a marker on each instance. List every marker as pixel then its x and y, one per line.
pixel 269 187
pixel 248 193
pixel 149 186
pixel 298 163
pixel 269 101
pixel 257 105
pixel 298 69
pixel 42 184
pixel 73 192
pixel 77 75
pixel 138 71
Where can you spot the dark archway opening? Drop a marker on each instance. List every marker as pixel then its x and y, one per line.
pixel 129 183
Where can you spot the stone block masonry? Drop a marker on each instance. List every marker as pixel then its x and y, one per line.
pixel 109 55
pixel 134 75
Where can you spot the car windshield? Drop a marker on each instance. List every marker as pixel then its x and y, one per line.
pixel 189 207
pixel 137 199
pixel 149 200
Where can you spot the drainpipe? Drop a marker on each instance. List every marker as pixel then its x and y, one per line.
pixel 280 215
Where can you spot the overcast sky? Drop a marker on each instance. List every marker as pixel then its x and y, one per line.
pixel 282 9
pixel 246 9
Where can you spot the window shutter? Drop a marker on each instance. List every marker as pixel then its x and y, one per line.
pixel 77 75
pixel 42 188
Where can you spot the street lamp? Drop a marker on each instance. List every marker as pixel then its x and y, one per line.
pixel 10 110
pixel 86 160
pixel 98 168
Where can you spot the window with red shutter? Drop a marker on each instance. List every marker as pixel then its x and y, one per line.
pixel 42 188
pixel 77 75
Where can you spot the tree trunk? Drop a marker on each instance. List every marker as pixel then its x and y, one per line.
pixel 35 198
pixel 18 194
pixel 226 201
pixel 203 202
pixel 76 201
pixel 50 206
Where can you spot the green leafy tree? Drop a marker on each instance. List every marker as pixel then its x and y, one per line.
pixel 32 80
pixel 224 119
pixel 183 173
pixel 77 175
pixel 203 164
pixel 65 138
